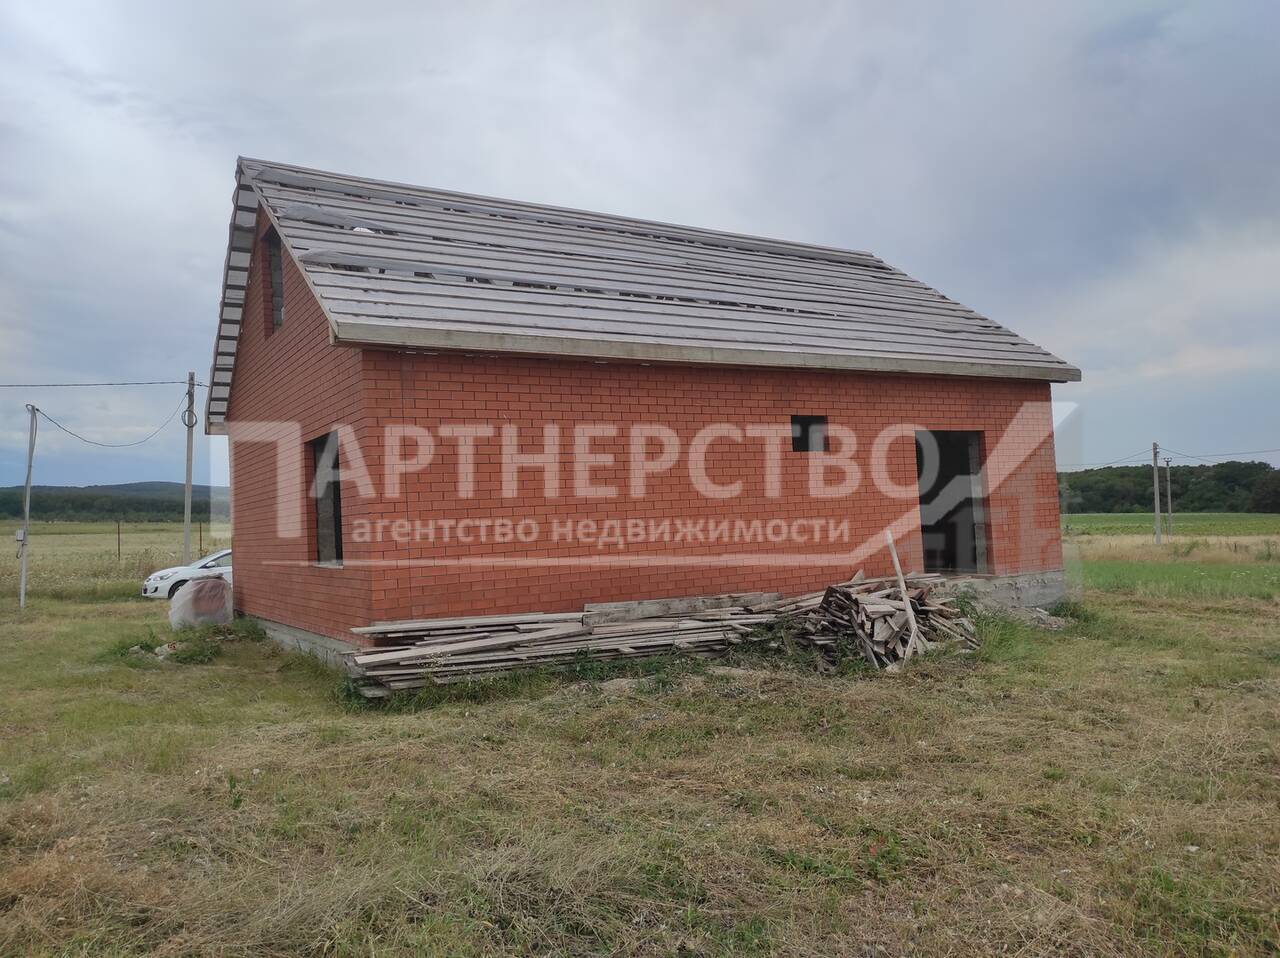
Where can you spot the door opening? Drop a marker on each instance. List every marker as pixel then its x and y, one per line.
pixel 953 515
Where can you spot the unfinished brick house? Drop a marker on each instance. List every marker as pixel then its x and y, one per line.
pixel 352 306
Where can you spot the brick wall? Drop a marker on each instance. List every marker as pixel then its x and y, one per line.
pixel 448 579
pixel 289 374
pixel 294 373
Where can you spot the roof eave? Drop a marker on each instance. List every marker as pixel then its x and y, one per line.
pixel 235 281
pixel 359 333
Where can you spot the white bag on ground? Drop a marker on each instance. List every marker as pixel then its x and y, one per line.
pixel 201 602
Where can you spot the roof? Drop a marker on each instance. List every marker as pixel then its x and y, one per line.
pixel 397 266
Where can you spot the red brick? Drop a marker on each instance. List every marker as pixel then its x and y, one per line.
pixel 296 374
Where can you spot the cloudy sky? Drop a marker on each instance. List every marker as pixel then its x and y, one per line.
pixel 1102 177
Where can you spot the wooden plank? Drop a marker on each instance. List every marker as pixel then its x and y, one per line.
pixel 466 621
pixel 419 653
pixel 535 654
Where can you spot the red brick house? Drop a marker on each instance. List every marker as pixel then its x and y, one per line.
pixel 443 404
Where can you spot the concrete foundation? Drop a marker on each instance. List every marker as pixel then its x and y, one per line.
pixel 1026 590
pixel 327 650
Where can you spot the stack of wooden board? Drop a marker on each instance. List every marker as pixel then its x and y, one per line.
pixel 867 617
pixel 414 654
pixel 872 618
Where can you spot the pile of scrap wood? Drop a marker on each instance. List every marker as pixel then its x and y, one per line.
pixel 872 618
pixel 867 617
pixel 411 655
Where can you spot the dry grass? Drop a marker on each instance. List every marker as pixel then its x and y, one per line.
pixel 78 560
pixel 1107 791
pixel 1199 549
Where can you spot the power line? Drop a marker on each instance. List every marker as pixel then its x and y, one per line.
pixel 1099 465
pixel 116 445
pixel 147 382
pixel 1187 455
pixel 1217 455
pixel 1207 458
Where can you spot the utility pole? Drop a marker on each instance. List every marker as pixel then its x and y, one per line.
pixel 1064 505
pixel 1155 474
pixel 188 420
pixel 26 511
pixel 1168 493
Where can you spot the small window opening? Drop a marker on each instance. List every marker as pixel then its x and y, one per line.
pixel 276 266
pixel 326 491
pixel 808 433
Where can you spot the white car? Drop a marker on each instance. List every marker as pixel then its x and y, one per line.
pixel 166 582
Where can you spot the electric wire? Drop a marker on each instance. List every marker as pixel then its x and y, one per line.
pixel 1100 465
pixel 1205 458
pixel 146 382
pixel 1208 457
pixel 116 445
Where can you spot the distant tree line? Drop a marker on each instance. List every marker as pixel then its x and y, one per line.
pixel 134 502
pixel 1222 487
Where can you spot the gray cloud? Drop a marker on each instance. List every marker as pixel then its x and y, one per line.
pixel 1101 177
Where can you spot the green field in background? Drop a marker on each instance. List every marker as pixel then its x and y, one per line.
pixel 80 559
pixel 1189 524
pixel 1188 579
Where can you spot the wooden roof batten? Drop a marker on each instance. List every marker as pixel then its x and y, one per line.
pixel 399 266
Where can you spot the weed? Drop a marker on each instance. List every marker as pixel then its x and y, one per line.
pixel 1005 639
pixel 825 868
pixel 1073 609
pixel 196 647
pixel 885 853
pixel 882 857
pixel 966 602
pixel 1200 914
pixel 129 646
pixel 199 645
pixel 530 683
pixel 235 791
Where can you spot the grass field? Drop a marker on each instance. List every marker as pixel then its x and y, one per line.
pixel 1190 524
pixel 1111 789
pixel 77 560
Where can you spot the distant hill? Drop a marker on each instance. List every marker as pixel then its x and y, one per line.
pixel 134 501
pixel 1221 487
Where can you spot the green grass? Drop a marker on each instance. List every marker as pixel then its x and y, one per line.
pixel 1109 789
pixel 1202 580
pixel 1190 524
